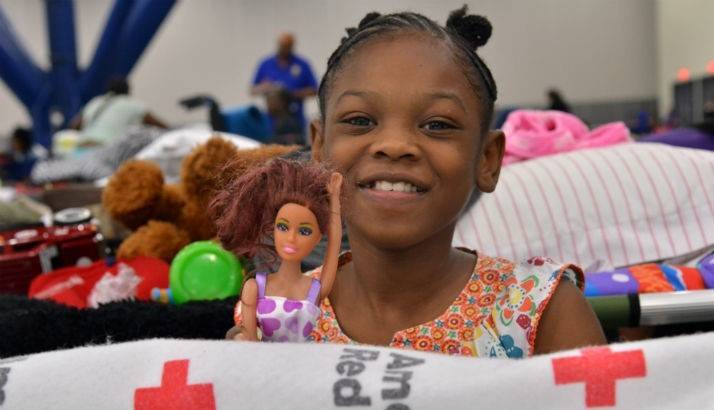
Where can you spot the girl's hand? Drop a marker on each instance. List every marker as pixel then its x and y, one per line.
pixel 234 333
pixel 238 334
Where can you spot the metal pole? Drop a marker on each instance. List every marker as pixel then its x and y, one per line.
pixel 677 307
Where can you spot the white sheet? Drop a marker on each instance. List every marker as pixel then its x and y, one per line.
pixel 659 374
pixel 169 150
pixel 612 207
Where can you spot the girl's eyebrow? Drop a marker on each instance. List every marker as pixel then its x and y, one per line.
pixel 307 224
pixel 437 95
pixel 284 220
pixel 357 93
pixel 447 95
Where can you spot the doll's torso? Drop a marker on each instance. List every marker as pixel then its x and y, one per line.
pixel 286 320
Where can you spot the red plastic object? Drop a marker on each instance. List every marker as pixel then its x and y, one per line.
pixel 73 285
pixel 692 278
pixel 26 253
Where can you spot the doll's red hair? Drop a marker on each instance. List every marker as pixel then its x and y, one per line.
pixel 245 209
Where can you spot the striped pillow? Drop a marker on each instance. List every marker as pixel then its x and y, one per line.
pixel 618 205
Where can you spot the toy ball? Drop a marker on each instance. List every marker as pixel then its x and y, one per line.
pixel 204 270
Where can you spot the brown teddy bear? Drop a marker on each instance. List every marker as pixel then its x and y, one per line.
pixel 165 218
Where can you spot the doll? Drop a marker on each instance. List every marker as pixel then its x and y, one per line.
pixel 295 203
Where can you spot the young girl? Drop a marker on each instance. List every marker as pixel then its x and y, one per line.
pixel 405 111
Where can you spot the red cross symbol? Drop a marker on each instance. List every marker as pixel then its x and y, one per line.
pixel 174 392
pixel 599 368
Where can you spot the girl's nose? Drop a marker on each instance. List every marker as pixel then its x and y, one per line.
pixel 395 144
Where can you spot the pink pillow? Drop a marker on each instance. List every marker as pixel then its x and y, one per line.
pixel 533 133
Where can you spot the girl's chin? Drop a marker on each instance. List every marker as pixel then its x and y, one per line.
pixel 392 237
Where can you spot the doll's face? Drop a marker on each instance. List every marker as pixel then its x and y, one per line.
pixel 296 232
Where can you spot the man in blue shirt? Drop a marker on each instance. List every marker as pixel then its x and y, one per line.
pixel 287 71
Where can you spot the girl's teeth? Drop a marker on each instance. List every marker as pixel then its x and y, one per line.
pixel 394 186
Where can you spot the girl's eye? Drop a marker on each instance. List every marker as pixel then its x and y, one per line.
pixel 438 126
pixel 358 121
pixel 305 231
pixel 281 226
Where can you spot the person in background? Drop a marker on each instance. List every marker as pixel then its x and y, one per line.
pixel 642 124
pixel 286 70
pixel 556 101
pixel 110 115
pixel 22 156
pixel 286 128
pixel 699 136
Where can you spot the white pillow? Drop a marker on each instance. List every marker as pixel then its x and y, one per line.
pixel 170 148
pixel 616 206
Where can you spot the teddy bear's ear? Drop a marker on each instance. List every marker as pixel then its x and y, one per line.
pixel 133 193
pixel 250 158
pixel 201 170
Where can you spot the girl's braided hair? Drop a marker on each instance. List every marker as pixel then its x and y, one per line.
pixel 464 32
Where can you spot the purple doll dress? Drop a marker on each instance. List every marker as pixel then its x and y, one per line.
pixel 286 320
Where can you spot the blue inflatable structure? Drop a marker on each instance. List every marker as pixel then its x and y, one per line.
pixel 65 87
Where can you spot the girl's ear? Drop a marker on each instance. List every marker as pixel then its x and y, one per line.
pixel 317 139
pixel 488 166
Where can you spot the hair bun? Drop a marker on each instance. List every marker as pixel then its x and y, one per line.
pixel 351 31
pixel 368 19
pixel 476 30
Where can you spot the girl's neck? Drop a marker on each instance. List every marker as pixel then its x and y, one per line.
pixel 404 277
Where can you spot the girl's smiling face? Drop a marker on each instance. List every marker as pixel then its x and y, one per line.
pixel 404 125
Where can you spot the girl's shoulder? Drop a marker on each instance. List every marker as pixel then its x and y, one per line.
pixel 517 293
pixel 540 270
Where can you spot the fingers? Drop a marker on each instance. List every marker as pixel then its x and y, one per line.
pixel 233 332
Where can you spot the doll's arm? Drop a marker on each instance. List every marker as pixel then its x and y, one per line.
pixel 249 300
pixel 334 237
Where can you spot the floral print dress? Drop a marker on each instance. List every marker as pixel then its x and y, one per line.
pixel 495 315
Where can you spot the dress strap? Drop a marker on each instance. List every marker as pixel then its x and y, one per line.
pixel 261 278
pixel 314 291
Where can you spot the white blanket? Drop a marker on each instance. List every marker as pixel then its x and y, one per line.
pixel 671 373
pixel 608 207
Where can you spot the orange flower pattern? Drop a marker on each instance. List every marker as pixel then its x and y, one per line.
pixel 495 315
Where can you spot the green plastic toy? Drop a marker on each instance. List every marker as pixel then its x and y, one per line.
pixel 202 271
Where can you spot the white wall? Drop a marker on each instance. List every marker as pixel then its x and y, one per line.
pixel 685 38
pixel 592 50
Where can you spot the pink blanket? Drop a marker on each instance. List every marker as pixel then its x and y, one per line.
pixel 533 133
